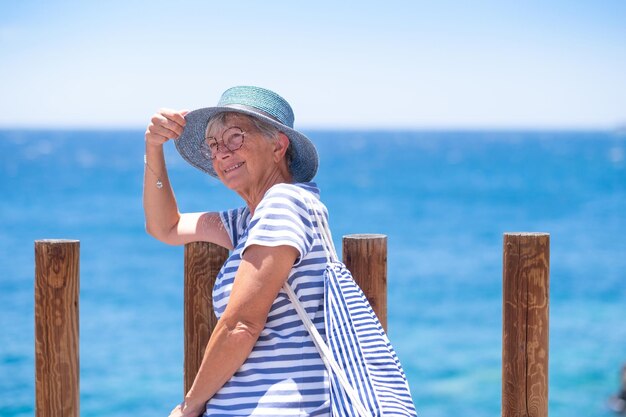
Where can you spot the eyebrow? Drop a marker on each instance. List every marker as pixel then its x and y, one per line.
pixel 229 127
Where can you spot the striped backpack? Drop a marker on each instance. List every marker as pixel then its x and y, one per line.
pixel 366 378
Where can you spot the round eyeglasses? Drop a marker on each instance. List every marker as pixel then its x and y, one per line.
pixel 232 139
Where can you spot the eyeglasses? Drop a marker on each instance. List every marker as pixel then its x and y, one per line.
pixel 232 139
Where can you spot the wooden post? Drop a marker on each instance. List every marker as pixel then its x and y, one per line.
pixel 526 272
pixel 203 261
pixel 365 255
pixel 56 328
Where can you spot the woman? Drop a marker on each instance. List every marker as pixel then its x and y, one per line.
pixel 260 359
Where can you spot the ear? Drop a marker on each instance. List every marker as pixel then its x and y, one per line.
pixel 280 146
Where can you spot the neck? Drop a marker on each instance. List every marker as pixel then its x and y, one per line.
pixel 254 194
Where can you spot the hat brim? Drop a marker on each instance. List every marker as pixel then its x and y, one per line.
pixel 305 159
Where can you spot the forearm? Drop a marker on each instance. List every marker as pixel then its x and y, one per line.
pixel 228 348
pixel 261 274
pixel 160 208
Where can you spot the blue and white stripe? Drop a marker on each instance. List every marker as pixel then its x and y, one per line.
pixel 360 345
pixel 284 375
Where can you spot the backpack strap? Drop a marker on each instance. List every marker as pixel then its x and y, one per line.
pixel 325 353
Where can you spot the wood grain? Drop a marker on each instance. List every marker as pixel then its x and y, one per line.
pixel 203 261
pixel 365 256
pixel 526 272
pixel 56 328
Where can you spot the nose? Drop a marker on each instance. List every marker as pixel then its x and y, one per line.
pixel 223 152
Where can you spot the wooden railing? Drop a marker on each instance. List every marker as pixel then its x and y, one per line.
pixel 525 315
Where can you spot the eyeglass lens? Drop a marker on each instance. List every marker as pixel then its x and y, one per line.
pixel 232 139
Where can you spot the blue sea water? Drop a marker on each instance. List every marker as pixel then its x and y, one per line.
pixel 443 198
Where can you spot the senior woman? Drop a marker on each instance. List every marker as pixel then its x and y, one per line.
pixel 271 295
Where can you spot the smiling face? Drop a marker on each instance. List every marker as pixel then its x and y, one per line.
pixel 252 167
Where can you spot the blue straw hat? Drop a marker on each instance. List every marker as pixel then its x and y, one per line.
pixel 256 102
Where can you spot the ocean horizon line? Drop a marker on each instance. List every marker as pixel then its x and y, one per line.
pixel 618 131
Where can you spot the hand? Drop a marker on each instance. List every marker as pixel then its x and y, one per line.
pixel 165 125
pixel 181 410
pixel 177 411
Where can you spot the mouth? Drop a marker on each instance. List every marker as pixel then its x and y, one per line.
pixel 233 167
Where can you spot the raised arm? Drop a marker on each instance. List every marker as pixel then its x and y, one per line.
pixel 163 220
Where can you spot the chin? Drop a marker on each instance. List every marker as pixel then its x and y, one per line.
pixel 232 183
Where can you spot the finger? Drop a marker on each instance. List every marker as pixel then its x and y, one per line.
pixel 174 116
pixel 155 139
pixel 161 120
pixel 164 131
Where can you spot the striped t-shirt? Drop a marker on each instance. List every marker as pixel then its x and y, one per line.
pixel 284 374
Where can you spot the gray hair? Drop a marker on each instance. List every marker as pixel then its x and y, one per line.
pixel 269 131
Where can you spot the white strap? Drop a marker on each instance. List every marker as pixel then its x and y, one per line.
pixel 325 353
pixel 325 235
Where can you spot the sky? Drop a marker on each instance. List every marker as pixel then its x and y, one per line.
pixel 364 65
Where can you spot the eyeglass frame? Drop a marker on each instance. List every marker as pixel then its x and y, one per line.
pixel 206 147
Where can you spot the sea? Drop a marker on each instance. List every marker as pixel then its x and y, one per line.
pixel 443 198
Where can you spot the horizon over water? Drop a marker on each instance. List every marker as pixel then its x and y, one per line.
pixel 443 198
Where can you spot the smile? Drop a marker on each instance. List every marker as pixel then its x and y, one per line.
pixel 234 167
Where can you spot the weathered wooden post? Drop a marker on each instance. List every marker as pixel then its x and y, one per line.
pixel 526 273
pixel 365 255
pixel 203 261
pixel 56 328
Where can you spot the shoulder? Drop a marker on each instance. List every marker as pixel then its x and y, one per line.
pixel 285 204
pixel 289 194
pixel 299 192
pixel 286 189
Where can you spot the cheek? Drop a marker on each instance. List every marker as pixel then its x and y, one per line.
pixel 218 171
pixel 256 156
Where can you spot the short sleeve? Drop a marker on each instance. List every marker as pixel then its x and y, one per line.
pixel 282 218
pixel 234 223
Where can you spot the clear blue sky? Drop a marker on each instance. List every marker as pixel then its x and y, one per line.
pixel 365 64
